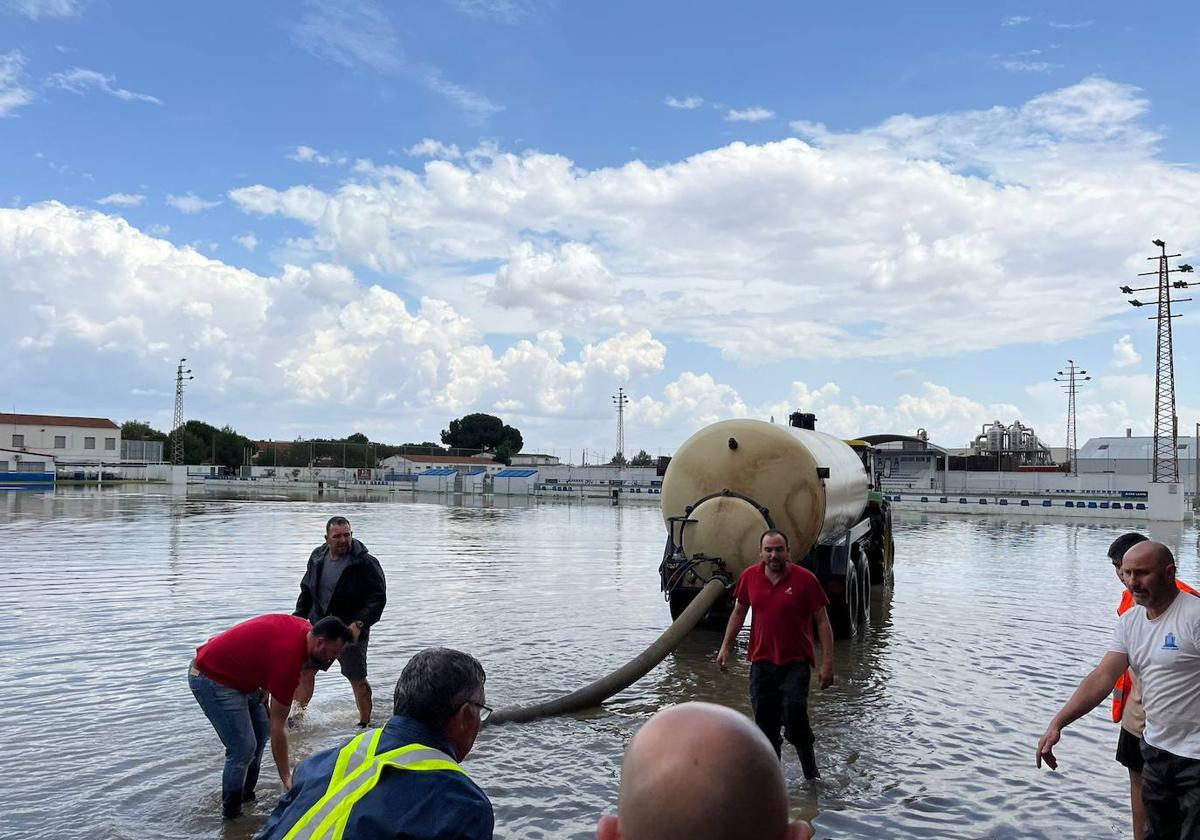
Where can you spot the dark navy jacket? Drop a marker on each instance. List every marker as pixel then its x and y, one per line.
pixel 404 805
pixel 360 594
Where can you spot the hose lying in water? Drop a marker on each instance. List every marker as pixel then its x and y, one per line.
pixel 625 676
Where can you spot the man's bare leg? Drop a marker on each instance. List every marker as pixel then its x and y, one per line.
pixel 1136 806
pixel 362 699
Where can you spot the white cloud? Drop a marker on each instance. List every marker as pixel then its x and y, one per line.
pixel 476 106
pixel 509 11
pixel 247 240
pixel 122 199
pixel 307 154
pixel 80 81
pixel 36 9
pixel 190 203
pixel 434 149
pixel 13 93
pixel 1020 65
pixel 754 114
pixel 1124 354
pixel 359 33
pixel 767 251
pixel 1014 20
pixel 686 104
pixel 159 230
pixel 1083 24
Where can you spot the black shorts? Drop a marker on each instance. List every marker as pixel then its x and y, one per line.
pixel 353 660
pixel 1129 750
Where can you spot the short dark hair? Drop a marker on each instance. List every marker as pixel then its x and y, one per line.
pixel 331 627
pixel 776 531
pixel 336 520
pixel 435 683
pixel 1116 551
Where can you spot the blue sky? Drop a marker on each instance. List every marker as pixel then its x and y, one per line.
pixel 377 217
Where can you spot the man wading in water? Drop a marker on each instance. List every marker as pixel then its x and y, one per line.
pixel 786 598
pixel 343 580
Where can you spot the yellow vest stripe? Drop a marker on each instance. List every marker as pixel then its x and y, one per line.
pixel 361 769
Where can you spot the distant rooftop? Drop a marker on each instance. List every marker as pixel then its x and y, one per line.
pixel 56 420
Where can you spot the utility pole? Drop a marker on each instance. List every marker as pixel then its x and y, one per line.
pixel 1072 380
pixel 182 375
pixel 1166 425
pixel 620 400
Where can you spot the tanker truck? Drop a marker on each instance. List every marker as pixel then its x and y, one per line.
pixel 733 480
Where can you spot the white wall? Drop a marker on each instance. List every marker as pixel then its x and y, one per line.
pixel 44 440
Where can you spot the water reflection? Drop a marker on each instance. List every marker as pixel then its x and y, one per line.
pixel 928 732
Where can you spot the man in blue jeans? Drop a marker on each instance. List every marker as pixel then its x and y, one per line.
pixel 236 672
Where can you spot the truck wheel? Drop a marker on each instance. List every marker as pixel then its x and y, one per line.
pixel 844 613
pixel 864 612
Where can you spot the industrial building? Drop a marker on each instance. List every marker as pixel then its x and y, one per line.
pixel 70 441
pixel 1130 455
pixel 407 464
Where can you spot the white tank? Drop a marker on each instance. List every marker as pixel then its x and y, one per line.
pixel 995 436
pixel 776 467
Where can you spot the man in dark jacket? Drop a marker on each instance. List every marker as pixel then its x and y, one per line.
pixel 406 779
pixel 343 580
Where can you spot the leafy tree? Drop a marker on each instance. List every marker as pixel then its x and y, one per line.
pixel 141 430
pixel 618 459
pixel 642 459
pixel 483 433
pixel 359 438
pixel 206 444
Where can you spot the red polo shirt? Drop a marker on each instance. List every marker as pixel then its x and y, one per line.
pixel 265 652
pixel 781 625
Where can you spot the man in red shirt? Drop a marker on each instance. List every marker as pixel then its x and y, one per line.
pixel 234 673
pixel 786 598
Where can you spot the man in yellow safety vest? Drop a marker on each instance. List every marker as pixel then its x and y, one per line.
pixel 403 780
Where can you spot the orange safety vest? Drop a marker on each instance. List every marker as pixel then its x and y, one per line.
pixel 1125 681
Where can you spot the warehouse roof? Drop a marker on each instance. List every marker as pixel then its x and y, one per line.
pixel 515 473
pixel 1130 448
pixel 439 471
pixel 55 420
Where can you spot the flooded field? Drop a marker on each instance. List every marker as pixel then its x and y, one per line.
pixel 929 732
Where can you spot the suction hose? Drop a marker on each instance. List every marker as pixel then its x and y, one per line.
pixel 625 676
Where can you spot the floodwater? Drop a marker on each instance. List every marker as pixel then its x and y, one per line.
pixel 929 732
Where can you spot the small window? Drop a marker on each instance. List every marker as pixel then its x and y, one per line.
pixel 110 443
pixel 18 440
pixel 60 441
pixel 89 443
pixel 1102 447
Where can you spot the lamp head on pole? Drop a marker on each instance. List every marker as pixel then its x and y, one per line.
pixel 1160 243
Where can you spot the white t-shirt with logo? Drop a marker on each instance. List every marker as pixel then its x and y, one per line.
pixel 1164 654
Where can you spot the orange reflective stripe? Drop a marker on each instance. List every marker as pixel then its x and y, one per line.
pixel 1120 695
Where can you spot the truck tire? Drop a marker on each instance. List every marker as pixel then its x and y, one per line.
pixel 844 612
pixel 864 612
pixel 881 551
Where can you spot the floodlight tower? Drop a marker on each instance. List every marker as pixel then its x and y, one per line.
pixel 1072 380
pixel 1166 460
pixel 182 375
pixel 620 400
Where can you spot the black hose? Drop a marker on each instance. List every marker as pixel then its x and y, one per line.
pixel 625 676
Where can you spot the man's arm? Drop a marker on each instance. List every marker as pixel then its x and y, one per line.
pixel 1091 693
pixel 304 602
pixel 279 741
pixel 825 634
pixel 376 595
pixel 736 619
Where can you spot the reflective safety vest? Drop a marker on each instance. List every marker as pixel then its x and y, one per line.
pixel 357 771
pixel 1124 684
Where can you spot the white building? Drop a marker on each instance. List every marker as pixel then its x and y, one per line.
pixel 535 459
pixel 71 441
pixel 406 464
pixel 23 467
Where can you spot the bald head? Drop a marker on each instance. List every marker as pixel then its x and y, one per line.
pixel 1148 570
pixel 699 771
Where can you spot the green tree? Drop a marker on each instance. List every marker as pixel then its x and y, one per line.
pixel 483 433
pixel 642 459
pixel 206 444
pixel 141 430
pixel 618 459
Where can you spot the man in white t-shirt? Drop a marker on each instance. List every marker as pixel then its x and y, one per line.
pixel 1159 640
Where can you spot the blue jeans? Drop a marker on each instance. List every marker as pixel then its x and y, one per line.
pixel 243 726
